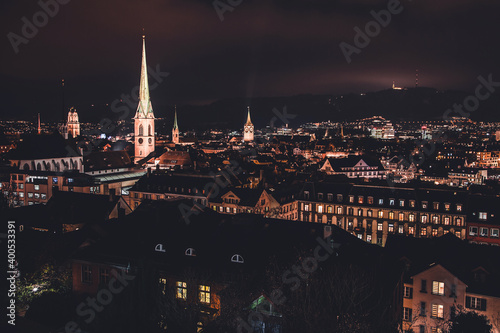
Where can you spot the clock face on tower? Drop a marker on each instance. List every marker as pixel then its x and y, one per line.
pixel 140 140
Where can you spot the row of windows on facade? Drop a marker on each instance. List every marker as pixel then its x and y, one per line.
pixel 437 310
pixel 204 293
pixel 424 218
pixel 56 166
pixel 171 189
pixel 484 232
pixel 392 202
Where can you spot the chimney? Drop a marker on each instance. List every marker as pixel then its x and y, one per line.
pixel 149 172
pixel 112 194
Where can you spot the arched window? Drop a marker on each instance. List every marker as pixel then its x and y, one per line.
pixel 190 252
pixel 237 259
pixel 39 167
pixel 149 130
pixel 141 130
pixel 26 166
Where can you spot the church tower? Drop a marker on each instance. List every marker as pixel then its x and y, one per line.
pixel 248 129
pixel 73 124
pixel 144 120
pixel 175 129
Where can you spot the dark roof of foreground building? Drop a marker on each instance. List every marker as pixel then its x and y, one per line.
pixel 33 147
pixel 107 160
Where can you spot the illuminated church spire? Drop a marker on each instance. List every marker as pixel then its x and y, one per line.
pixel 144 120
pixel 175 129
pixel 248 129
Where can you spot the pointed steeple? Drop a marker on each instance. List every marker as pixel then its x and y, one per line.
pixel 175 118
pixel 144 108
pixel 248 116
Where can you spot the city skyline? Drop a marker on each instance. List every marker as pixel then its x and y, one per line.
pixel 245 55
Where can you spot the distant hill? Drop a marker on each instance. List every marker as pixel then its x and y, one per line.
pixel 411 104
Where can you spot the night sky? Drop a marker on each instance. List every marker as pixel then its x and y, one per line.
pixel 261 48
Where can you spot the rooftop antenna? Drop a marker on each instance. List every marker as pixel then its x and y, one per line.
pixel 63 100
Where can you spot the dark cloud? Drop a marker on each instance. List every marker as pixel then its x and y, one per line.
pixel 262 48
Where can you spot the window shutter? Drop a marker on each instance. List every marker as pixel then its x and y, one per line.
pixel 467 301
pixel 483 304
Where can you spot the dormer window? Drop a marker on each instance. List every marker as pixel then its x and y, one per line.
pixel 351 198
pixel 329 196
pixel 424 204
pixel 320 196
pixel 401 203
pixel 370 200
pixel 190 252
pixel 459 207
pixel 237 259
pixel 435 205
pixel 380 201
pixel 412 203
pixel 447 207
pixel 360 199
pixel 483 215
pixel 306 195
pixel 340 197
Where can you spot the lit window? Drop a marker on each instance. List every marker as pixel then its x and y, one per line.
pixel 369 213
pixel 380 226
pixel 411 230
pixel 306 207
pixel 391 227
pixel 320 208
pixel 380 201
pixel 339 210
pixel 424 218
pixel 391 215
pixel 204 294
pixel 351 198
pixel 447 207
pixel 435 219
pixel 484 232
pixel 424 204
pixel 411 217
pixel 306 195
pixel 435 205
pixel 494 233
pixel 401 216
pixel 360 212
pixel 37 187
pixel 446 220
pixel 473 231
pixel 483 215
pixel 437 311
pixel 438 288
pixel 459 207
pixel 181 290
pixel 401 203
pixel 391 202
pixel 412 203
pixel 360 199
pixel 400 229
pixel 380 214
pixel 329 209
pixel 370 200
pixel 423 232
